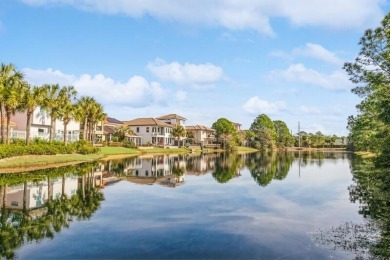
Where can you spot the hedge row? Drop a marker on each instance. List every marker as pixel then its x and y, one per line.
pixel 45 148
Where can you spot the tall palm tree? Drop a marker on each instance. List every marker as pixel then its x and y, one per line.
pixel 83 106
pixel 51 104
pixel 66 110
pixel 33 97
pixel 96 114
pixel 10 80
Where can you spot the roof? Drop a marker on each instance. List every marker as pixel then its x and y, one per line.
pixel 109 129
pixel 11 123
pixel 113 120
pixel 238 124
pixel 146 122
pixel 199 127
pixel 171 116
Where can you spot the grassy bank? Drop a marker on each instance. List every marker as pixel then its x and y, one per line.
pixel 244 149
pixel 31 162
pixel 118 150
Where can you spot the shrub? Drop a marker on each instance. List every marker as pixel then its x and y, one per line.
pixel 129 144
pixel 43 147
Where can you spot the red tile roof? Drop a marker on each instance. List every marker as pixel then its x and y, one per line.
pixel 146 122
pixel 171 116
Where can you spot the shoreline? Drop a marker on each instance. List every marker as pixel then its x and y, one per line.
pixel 20 164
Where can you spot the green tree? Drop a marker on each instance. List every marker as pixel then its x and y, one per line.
pixel 284 137
pixel 33 97
pixel 371 73
pixel 178 132
pixel 11 84
pixel 52 105
pixel 67 109
pixel 225 132
pixel 264 133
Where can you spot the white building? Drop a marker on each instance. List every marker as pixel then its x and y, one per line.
pixel 40 126
pixel 152 131
pixel 201 135
pixel 173 119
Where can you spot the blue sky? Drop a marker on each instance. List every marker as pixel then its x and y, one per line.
pixel 200 59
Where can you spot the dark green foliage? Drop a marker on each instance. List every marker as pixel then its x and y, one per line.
pixel 129 144
pixel 284 137
pixel 264 133
pixel 40 147
pixel 369 130
pixel 226 133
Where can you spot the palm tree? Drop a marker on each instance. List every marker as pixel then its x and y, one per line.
pixel 96 114
pixel 33 97
pixel 83 105
pixel 51 104
pixel 10 84
pixel 178 132
pixel 66 109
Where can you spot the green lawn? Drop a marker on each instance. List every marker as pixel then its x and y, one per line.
pixel 42 160
pixel 117 150
pixel 246 149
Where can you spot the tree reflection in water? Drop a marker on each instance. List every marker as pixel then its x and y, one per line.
pixel 371 239
pixel 227 166
pixel 264 167
pixel 26 223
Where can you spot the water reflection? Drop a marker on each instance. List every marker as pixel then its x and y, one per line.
pixel 171 169
pixel 38 204
pixel 370 239
pixel 264 167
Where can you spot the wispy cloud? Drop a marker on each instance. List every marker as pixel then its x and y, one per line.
pixel 336 80
pixel 194 75
pixel 135 92
pixel 240 15
pixel 311 50
pixel 255 105
pixel 317 51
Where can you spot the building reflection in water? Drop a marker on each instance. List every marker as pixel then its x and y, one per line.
pixel 36 205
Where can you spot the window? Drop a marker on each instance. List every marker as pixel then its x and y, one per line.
pixel 147 173
pixel 147 129
pixel 14 203
pixel 41 130
pixel 137 129
pixel 153 129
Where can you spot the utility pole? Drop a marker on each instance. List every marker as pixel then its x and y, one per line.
pixel 299 135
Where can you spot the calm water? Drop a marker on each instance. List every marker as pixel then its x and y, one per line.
pixel 258 206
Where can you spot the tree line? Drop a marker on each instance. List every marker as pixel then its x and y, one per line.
pixel 370 71
pixel 265 134
pixel 60 102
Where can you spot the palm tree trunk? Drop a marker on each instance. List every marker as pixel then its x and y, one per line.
pixel 2 120
pixel 52 126
pixel 28 127
pixel 85 129
pixel 8 114
pixel 65 131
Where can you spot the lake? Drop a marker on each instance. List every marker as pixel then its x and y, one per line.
pixel 213 206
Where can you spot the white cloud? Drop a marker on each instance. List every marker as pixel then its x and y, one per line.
pixel 312 50
pixel 136 92
pixel 255 105
pixel 317 51
pixel 48 76
pixel 240 15
pixel 336 80
pixel 195 75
